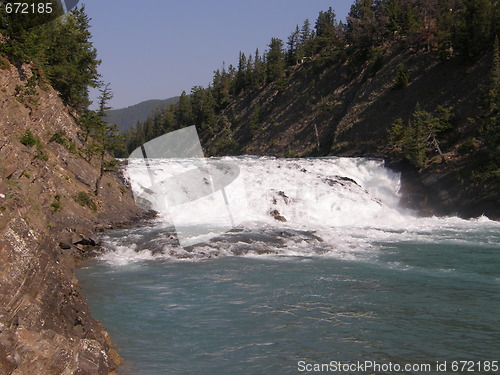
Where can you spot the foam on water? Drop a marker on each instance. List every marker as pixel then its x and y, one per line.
pixel 334 207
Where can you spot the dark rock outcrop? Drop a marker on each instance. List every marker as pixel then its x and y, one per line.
pixel 442 191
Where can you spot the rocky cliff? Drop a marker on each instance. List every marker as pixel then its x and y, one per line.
pixel 48 220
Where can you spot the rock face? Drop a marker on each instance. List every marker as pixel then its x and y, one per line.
pixel 48 220
pixel 442 191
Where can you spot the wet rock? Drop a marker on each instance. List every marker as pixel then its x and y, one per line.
pixel 88 239
pixel 340 180
pixel 64 245
pixel 284 196
pixel 277 216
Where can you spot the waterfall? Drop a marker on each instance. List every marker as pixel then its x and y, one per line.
pixel 334 207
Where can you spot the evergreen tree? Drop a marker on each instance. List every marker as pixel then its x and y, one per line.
pixel 221 87
pixel 241 76
pixel 72 60
pixel 258 71
pixel 399 17
pixel 203 106
pixel 275 61
pixel 250 74
pixel 365 25
pixel 184 114
pixel 402 77
pixel 476 27
pixel 491 126
pixel 306 36
pixel 325 24
pixel 99 136
pixel 61 48
pixel 168 119
pixel 420 136
pixel 255 119
pixel 360 24
pixel 293 44
pixel 329 34
pixel 15 25
pixel 305 32
pixel 445 24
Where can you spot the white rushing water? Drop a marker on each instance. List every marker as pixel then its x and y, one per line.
pixel 336 207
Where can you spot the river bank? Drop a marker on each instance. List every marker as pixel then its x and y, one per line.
pixel 49 220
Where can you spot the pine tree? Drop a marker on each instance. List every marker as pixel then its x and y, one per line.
pixel 258 70
pixel 328 32
pixel 275 61
pixel 365 25
pixel 306 36
pixel 293 44
pixel 250 74
pixel 491 127
pixel 14 25
pixel 445 23
pixel 100 137
pixel 325 24
pixel 241 76
pixel 402 77
pixel 203 107
pixel 72 60
pixel 475 31
pixel 61 48
pixel 305 32
pixel 184 114
pixel 420 136
pixel 255 119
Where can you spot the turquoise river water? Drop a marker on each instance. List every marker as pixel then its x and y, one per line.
pixel 348 280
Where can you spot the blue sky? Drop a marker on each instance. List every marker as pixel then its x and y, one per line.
pixel 155 49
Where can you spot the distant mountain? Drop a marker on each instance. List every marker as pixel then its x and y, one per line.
pixel 125 118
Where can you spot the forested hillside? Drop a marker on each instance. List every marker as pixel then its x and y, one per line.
pixel 415 82
pixel 125 118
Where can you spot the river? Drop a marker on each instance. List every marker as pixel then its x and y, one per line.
pixel 306 262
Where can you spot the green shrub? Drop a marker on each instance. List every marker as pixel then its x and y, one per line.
pixel 42 156
pixel 71 147
pixel 402 77
pixel 376 60
pixel 56 206
pixel 84 199
pixel 29 139
pixel 290 154
pixel 59 137
pixel 4 63
pixel 27 94
pixel 468 146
